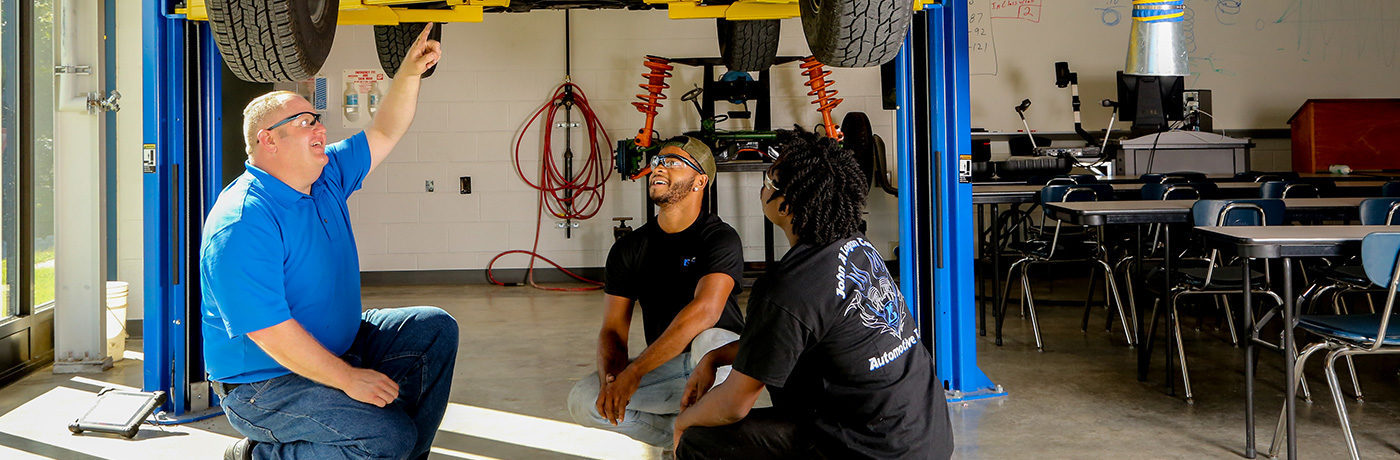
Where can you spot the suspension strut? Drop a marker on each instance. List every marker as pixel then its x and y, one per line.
pixel 659 69
pixel 826 98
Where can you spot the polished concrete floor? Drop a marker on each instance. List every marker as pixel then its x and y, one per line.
pixel 522 349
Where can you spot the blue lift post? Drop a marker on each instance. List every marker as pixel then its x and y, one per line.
pixel 169 62
pixel 935 203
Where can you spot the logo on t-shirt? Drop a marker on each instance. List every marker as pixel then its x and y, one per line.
pixel 874 297
pixel 688 262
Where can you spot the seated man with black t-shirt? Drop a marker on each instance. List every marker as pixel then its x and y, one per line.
pixel 684 268
pixel 828 334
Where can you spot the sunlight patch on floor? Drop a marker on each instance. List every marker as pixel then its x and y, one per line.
pixel 543 434
pixel 40 426
pixel 460 454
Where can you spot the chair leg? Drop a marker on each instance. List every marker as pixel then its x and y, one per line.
pixel 1340 308
pixel 1180 349
pixel 1355 385
pixel 1304 300
pixel 1132 297
pixel 1230 320
pixel 1298 376
pixel 1093 279
pixel 1336 390
pixel 1006 289
pixel 1117 300
pixel 1030 304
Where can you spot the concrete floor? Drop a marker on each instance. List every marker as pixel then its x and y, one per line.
pixel 522 349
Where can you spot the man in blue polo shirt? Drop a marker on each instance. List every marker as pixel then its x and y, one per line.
pixel 302 371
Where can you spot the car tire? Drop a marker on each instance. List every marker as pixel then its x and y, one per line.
pixel 393 43
pixel 747 46
pixel 267 41
pixel 855 33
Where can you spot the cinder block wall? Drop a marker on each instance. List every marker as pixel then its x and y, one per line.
pixel 493 76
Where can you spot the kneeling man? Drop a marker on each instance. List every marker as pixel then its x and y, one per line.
pixel 684 269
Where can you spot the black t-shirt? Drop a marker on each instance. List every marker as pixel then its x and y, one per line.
pixel 828 331
pixel 661 270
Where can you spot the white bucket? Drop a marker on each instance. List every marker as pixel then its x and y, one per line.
pixel 116 319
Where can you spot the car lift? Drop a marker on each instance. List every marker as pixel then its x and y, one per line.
pixel 933 132
pixel 182 173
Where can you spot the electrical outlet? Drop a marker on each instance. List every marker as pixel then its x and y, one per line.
pixel 428 186
pixel 1192 101
pixel 464 185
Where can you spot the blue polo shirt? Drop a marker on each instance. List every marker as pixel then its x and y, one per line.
pixel 270 253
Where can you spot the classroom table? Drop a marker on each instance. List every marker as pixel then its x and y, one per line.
pixel 1002 194
pixel 1179 211
pixel 1284 242
pixel 1170 213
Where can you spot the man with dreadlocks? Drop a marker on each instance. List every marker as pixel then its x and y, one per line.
pixel 828 334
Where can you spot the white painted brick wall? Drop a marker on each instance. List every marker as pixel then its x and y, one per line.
pixel 494 75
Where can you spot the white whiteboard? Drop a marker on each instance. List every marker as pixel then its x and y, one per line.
pixel 1261 58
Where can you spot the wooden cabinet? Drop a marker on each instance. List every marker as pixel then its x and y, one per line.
pixel 1360 133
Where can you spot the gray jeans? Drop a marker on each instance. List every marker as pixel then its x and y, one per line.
pixel 651 413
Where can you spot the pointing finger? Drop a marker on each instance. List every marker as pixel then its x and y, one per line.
pixel 423 36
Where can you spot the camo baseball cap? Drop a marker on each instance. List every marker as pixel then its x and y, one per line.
pixel 697 150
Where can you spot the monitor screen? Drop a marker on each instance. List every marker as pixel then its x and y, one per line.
pixel 1150 102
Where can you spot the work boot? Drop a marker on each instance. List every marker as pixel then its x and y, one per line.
pixel 241 449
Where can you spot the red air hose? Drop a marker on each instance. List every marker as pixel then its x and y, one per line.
pixel 560 194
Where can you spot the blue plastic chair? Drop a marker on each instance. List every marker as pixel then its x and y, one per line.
pixel 1391 189
pixel 1060 248
pixel 1258 176
pixel 1349 276
pixel 1288 189
pixel 1171 190
pixel 1380 211
pixel 1216 279
pixel 1348 335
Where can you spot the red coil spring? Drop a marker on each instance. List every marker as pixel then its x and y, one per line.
pixel 826 98
pixel 656 81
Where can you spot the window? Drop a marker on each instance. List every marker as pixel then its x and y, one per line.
pixel 9 159
pixel 42 109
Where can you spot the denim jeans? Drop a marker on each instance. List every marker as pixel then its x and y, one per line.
pixel 651 413
pixel 293 417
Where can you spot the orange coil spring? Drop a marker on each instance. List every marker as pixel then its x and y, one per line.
pixel 656 81
pixel 826 98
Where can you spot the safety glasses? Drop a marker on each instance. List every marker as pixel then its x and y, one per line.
pixel 769 182
pixel 673 161
pixel 301 121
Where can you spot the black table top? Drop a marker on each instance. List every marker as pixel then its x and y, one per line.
pixel 1277 241
pixel 1000 193
pixel 1179 211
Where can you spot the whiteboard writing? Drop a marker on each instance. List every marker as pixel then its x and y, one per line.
pixel 1344 32
pixel 1227 11
pixel 981 43
pixel 1028 10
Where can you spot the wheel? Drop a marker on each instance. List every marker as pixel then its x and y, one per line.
pixel 855 33
pixel 747 46
pixel 393 42
pixel 267 41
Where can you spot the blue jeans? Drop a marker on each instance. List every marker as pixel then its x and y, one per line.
pixel 651 413
pixel 293 417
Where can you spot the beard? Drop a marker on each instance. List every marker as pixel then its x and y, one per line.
pixel 674 192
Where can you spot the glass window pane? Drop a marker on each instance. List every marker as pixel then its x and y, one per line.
pixel 9 159
pixel 42 107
